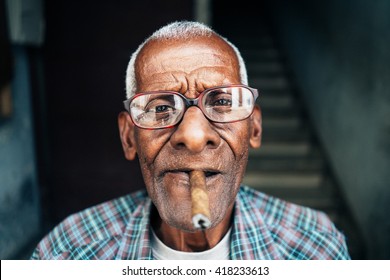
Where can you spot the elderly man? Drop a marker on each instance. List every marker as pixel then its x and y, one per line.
pixel 189 108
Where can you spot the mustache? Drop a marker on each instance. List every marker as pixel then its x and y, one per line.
pixel 209 162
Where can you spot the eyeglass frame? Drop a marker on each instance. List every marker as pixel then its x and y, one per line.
pixel 189 102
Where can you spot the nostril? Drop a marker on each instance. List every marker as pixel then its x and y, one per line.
pixel 180 145
pixel 210 143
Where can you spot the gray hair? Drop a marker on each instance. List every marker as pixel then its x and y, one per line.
pixel 179 30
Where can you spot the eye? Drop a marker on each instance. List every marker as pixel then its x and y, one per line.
pixel 162 108
pixel 157 110
pixel 222 102
pixel 219 99
pixel 160 105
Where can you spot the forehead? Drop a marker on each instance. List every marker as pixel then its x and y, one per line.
pixel 186 57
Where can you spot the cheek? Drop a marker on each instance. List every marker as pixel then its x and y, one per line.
pixel 222 200
pixel 236 135
pixel 149 144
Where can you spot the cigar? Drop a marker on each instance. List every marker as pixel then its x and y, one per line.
pixel 200 200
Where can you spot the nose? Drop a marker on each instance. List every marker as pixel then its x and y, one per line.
pixel 195 133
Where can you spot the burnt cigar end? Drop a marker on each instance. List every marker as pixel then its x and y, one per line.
pixel 200 221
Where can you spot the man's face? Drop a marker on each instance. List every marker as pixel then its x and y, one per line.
pixel 219 149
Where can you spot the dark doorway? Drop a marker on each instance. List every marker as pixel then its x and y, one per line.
pixel 83 62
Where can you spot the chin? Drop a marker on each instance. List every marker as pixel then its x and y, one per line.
pixel 182 225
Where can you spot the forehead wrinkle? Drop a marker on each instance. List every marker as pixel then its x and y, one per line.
pixel 198 79
pixel 204 74
pixel 186 62
pixel 186 68
pixel 162 81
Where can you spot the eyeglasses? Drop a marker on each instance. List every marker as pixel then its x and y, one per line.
pixel 163 109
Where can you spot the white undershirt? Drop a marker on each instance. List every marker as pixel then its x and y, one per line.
pixel 163 252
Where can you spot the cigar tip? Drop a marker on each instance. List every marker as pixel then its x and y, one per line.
pixel 200 221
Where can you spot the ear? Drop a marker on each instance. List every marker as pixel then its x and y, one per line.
pixel 256 129
pixel 126 133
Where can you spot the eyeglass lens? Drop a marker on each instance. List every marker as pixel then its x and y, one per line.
pixel 163 109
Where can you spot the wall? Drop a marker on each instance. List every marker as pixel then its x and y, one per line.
pixel 339 53
pixel 19 203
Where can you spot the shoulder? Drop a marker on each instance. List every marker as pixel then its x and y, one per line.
pixel 276 211
pixel 95 227
pixel 299 232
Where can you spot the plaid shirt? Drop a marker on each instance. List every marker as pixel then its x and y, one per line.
pixel 264 227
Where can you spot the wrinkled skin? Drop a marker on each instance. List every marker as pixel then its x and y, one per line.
pixel 167 155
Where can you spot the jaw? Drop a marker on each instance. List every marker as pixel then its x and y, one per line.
pixel 171 194
pixel 190 241
pixel 166 178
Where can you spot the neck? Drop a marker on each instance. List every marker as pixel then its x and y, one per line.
pixel 197 241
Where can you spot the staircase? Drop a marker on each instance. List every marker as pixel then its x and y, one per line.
pixel 290 163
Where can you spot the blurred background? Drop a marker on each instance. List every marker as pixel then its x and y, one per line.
pixel 322 67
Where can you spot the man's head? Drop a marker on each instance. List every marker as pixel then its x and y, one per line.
pixel 178 30
pixel 189 58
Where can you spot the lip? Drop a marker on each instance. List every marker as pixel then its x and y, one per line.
pixel 182 174
pixel 209 172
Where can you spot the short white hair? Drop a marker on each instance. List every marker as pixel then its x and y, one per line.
pixel 179 30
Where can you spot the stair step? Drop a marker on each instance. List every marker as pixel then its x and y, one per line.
pixel 266 67
pixel 287 149
pixel 326 204
pixel 285 163
pixel 266 83
pixel 282 122
pixel 318 198
pixel 276 101
pixel 297 192
pixel 278 92
pixel 293 135
pixel 306 180
pixel 283 113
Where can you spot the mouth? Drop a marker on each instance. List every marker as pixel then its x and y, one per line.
pixel 209 173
